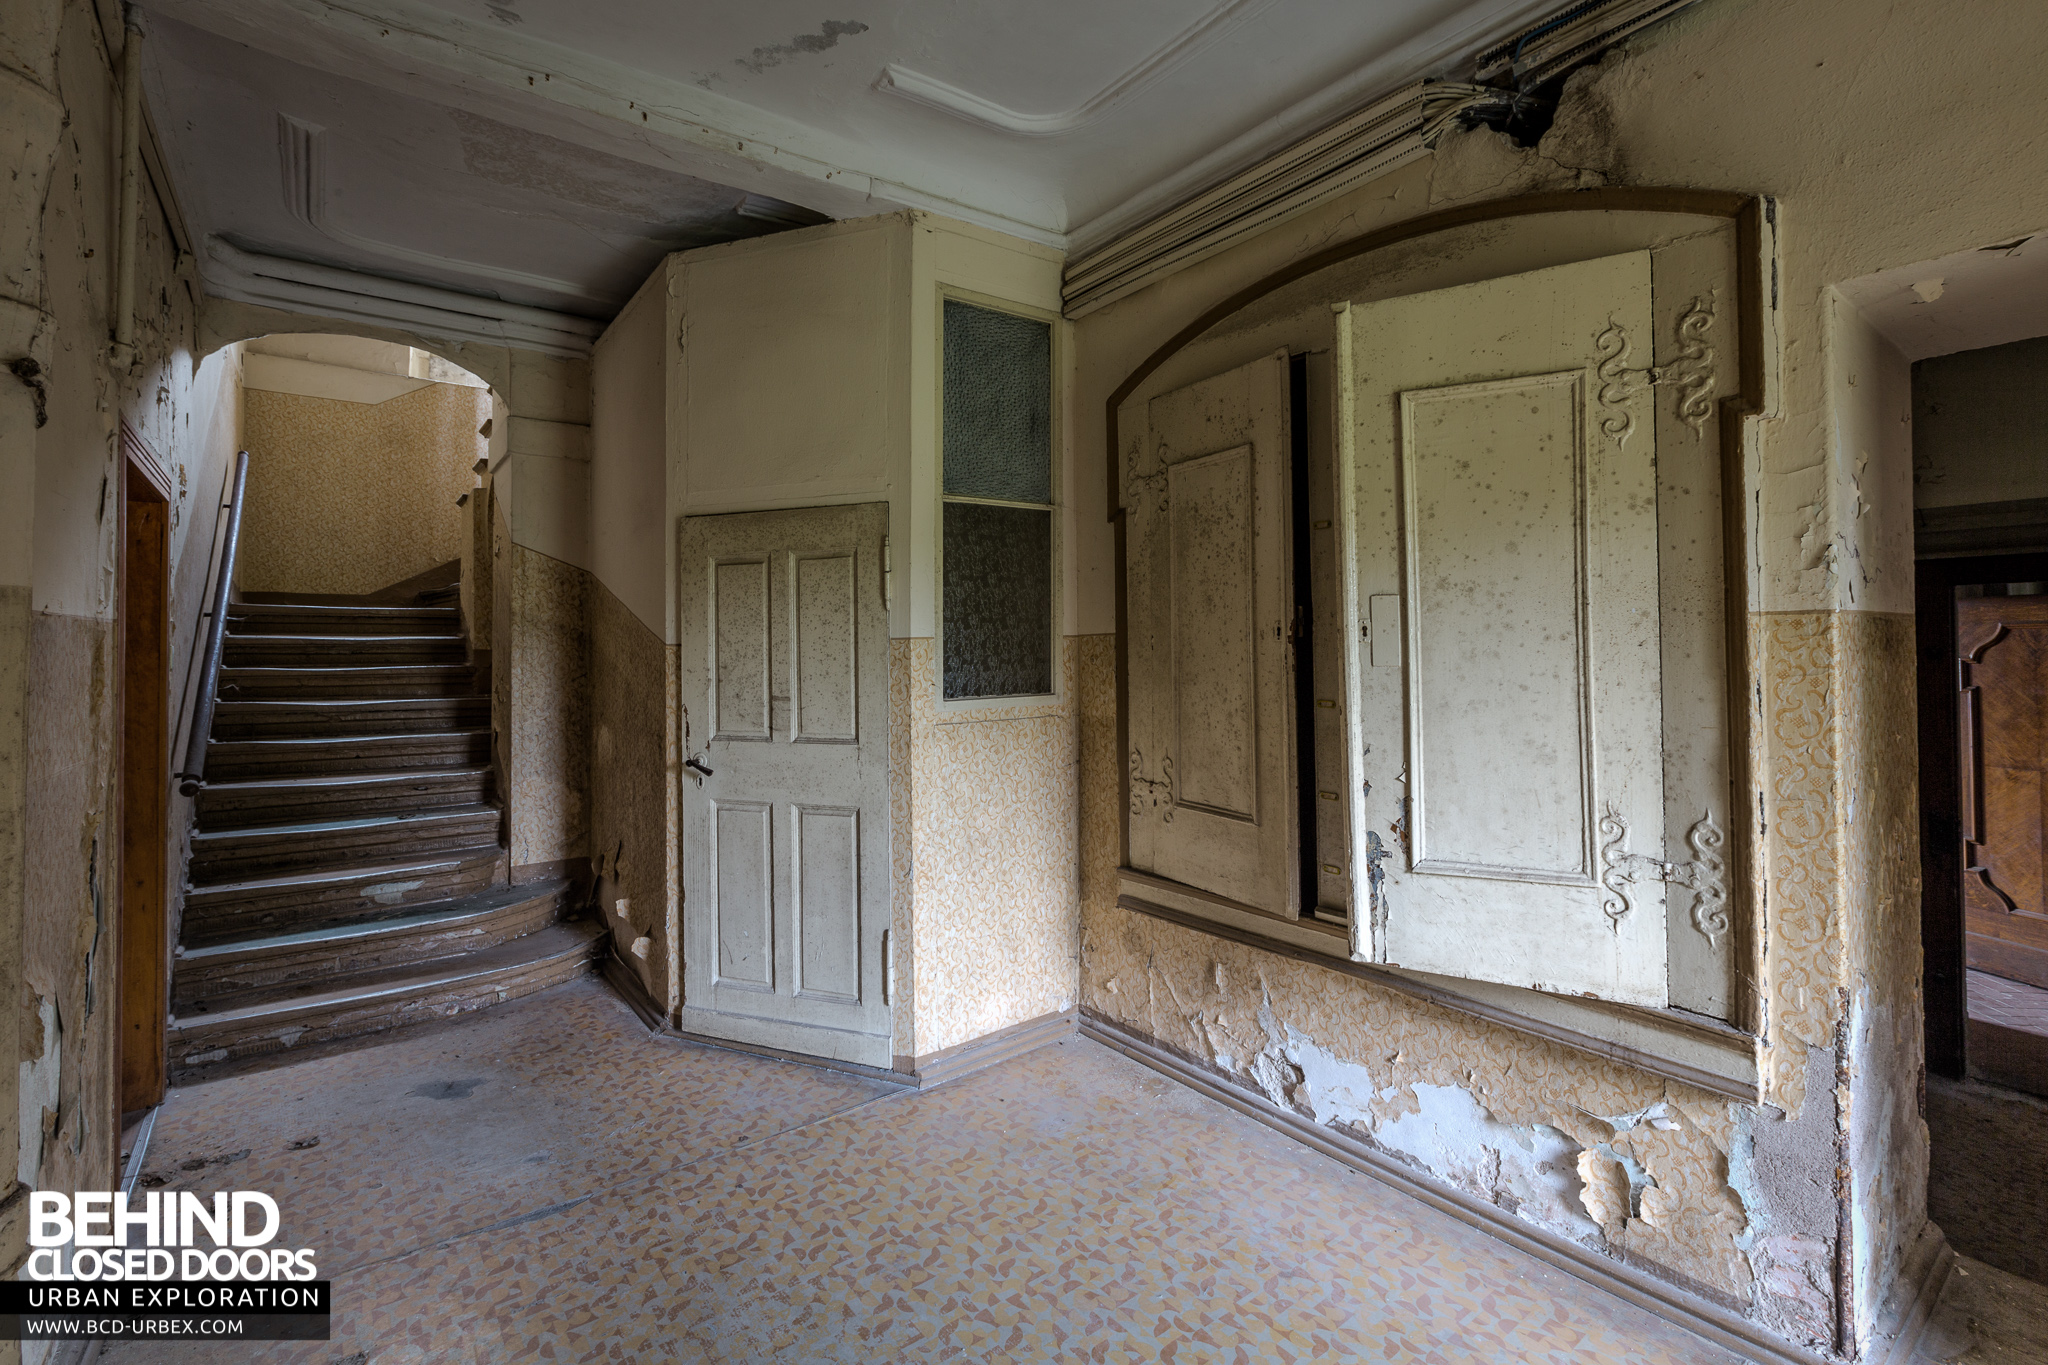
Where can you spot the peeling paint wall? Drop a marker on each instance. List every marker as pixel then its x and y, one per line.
pixel 61 487
pixel 1802 1209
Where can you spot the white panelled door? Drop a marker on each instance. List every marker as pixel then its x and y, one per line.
pixel 785 687
pixel 1504 489
pixel 1210 599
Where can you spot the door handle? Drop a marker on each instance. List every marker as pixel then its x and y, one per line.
pixel 694 766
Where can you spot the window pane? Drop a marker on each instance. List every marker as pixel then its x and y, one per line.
pixel 998 601
pixel 998 405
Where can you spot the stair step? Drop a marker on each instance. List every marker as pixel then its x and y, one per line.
pixel 293 618
pixel 259 906
pixel 275 849
pixel 315 651
pixel 386 999
pixel 238 805
pixel 377 683
pixel 253 971
pixel 234 760
pixel 233 720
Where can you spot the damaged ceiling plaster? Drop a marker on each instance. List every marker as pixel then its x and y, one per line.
pixel 547 154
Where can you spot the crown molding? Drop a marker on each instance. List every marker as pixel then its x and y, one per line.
pixel 1224 201
pixel 1566 38
pixel 331 291
pixel 1387 133
pixel 929 90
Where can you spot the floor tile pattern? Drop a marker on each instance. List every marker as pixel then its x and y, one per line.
pixel 1068 1205
pixel 379 1151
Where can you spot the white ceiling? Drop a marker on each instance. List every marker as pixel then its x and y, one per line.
pixel 548 152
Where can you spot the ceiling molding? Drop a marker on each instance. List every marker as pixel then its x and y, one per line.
pixel 931 91
pixel 1568 37
pixel 1385 134
pixel 732 143
pixel 1121 252
pixel 302 164
pixel 350 295
pixel 1444 48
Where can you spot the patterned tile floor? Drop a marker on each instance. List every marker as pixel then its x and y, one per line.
pixel 2011 1003
pixel 545 1182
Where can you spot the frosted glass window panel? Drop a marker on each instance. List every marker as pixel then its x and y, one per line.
pixel 998 405
pixel 998 601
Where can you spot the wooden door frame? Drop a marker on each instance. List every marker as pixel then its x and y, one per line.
pixel 143 762
pixel 1942 947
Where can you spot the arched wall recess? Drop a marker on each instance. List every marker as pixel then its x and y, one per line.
pixel 1412 257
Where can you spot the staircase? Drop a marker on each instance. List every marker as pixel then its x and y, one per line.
pixel 347 874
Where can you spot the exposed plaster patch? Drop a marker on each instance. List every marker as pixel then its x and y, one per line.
pixel 39 1088
pixel 1663 1115
pixel 827 36
pixel 1529 1169
pixel 1782 1169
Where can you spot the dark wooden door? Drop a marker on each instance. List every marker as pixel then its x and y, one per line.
pixel 2003 647
pixel 145 777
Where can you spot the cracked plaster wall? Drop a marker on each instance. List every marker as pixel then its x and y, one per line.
pixel 1801 1208
pixel 60 486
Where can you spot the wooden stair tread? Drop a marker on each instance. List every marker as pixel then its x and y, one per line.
pixel 435 914
pixel 252 786
pixel 456 732
pixel 345 824
pixel 335 875
pixel 555 942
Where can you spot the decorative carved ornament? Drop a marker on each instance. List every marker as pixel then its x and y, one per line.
pixel 1618 384
pixel 1153 792
pixel 1692 373
pixel 1706 876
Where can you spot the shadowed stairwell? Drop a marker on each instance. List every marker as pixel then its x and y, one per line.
pixel 348 873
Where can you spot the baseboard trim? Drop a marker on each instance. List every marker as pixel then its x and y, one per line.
pixel 626 985
pixel 626 982
pixel 895 1079
pixel 1704 1318
pixel 951 1063
pixel 1920 1284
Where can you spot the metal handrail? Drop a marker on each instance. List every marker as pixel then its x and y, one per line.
pixel 193 775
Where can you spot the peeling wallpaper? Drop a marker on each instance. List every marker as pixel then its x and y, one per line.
pixel 632 786
pixel 992 861
pixel 352 497
pixel 549 727
pixel 1736 1201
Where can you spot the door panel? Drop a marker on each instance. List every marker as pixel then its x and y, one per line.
pixel 827 864
pixel 740 648
pixel 1511 768
pixel 826 695
pixel 1495 503
pixel 2003 643
pixel 1210 593
pixel 785 858
pixel 743 894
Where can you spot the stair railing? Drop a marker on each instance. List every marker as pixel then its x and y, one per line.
pixel 192 776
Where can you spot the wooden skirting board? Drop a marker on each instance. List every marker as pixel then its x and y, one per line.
pixel 1720 1325
pixel 932 1069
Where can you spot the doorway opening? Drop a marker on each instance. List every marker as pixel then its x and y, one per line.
pixel 1981 633
pixel 144 772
